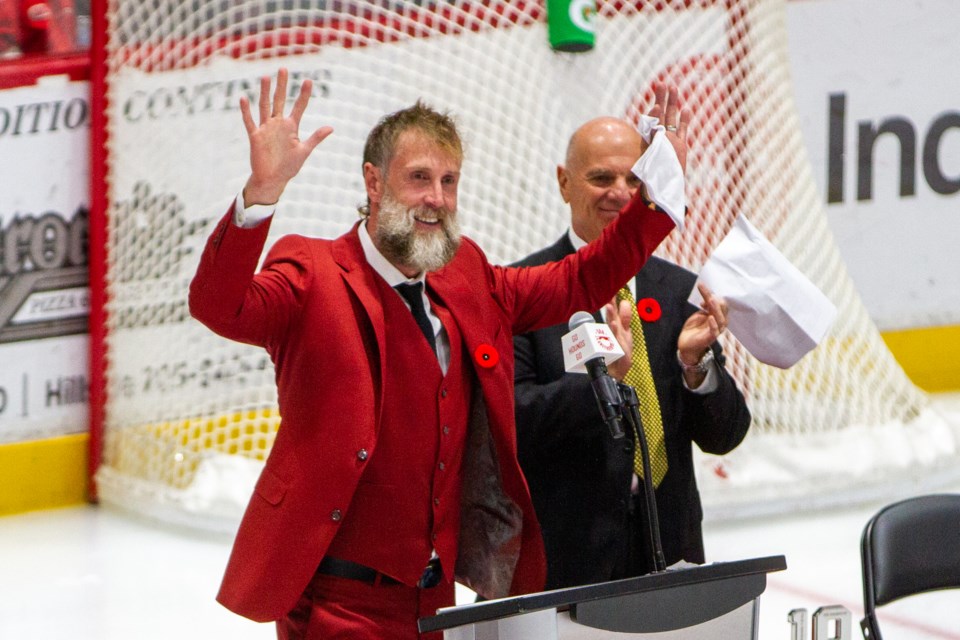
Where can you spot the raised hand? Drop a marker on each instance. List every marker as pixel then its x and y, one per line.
pixel 702 328
pixel 675 119
pixel 276 151
pixel 618 319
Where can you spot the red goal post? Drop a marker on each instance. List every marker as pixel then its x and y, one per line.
pixel 182 419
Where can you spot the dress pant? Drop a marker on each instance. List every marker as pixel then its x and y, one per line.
pixel 335 608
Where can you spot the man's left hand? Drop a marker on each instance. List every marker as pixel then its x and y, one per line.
pixel 702 328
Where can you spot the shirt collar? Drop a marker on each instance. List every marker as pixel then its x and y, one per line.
pixel 577 242
pixel 380 264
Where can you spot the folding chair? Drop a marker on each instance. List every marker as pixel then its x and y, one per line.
pixel 909 547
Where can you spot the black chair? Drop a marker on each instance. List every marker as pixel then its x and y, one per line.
pixel 909 547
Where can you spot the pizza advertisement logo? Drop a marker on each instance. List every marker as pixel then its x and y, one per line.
pixel 44 289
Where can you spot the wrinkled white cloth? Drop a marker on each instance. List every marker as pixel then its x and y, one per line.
pixel 773 309
pixel 659 169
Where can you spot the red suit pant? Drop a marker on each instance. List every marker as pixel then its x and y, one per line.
pixel 334 608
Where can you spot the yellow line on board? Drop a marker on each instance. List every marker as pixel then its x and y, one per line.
pixel 43 474
pixel 929 356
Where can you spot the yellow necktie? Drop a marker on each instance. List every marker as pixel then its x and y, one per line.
pixel 640 378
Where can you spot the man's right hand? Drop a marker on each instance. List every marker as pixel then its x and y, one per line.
pixel 618 319
pixel 276 151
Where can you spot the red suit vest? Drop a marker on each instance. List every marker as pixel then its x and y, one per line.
pixel 407 503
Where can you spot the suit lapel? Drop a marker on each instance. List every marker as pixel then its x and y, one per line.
pixel 454 290
pixel 359 277
pixel 649 282
pixel 561 248
pixel 650 278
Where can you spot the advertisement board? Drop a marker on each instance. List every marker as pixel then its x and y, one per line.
pixel 879 105
pixel 44 295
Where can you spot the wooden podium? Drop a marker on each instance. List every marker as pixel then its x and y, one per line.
pixel 718 600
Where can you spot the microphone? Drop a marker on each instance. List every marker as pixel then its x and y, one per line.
pixel 587 348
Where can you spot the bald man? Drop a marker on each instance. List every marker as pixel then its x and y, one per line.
pixel 584 488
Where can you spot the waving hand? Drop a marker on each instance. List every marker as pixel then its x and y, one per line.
pixel 276 151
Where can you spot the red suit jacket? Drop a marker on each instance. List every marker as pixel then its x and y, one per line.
pixel 314 307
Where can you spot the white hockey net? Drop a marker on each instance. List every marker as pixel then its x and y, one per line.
pixel 191 416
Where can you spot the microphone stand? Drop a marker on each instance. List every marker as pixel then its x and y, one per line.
pixel 631 404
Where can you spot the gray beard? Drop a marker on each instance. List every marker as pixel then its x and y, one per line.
pixel 398 241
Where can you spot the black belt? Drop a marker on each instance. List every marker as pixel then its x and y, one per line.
pixel 355 571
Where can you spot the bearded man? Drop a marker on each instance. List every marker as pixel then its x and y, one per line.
pixel 394 471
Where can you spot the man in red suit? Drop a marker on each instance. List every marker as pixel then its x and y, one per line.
pixel 394 472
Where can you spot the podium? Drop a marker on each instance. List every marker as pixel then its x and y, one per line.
pixel 719 600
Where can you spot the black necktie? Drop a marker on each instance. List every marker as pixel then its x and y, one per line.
pixel 411 293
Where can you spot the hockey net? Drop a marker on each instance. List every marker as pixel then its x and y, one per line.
pixel 189 417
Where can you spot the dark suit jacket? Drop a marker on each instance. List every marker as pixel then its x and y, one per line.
pixel 579 476
pixel 315 307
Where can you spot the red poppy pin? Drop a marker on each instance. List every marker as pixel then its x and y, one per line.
pixel 648 309
pixel 486 356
